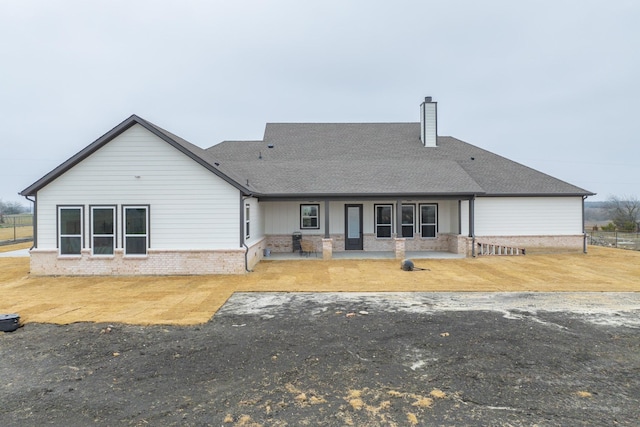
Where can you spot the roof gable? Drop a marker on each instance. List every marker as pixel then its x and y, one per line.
pixel 194 152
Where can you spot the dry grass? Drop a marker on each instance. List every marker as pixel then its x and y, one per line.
pixel 185 300
pixel 8 233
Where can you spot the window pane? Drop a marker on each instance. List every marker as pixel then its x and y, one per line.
pixel 383 214
pixel 136 245
pixel 103 245
pixel 136 221
pixel 407 215
pixel 428 231
pixel 353 222
pixel 428 214
pixel 70 221
pixel 309 210
pixel 309 222
pixel 70 245
pixel 383 231
pixel 103 221
pixel 407 231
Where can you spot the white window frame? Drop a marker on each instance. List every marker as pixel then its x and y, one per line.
pixel 146 235
pixel 406 224
pixel 247 221
pixel 378 224
pixel 61 236
pixel 113 235
pixel 434 224
pixel 316 216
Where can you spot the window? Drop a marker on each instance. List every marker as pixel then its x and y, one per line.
pixel 408 220
pixel 70 230
pixel 309 216
pixel 103 237
pixel 428 220
pixel 247 220
pixel 384 220
pixel 136 230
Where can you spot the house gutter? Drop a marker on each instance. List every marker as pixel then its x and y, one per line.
pixel 35 222
pixel 584 231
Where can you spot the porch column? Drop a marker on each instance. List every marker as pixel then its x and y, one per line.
pixel 398 218
pixel 327 241
pixel 400 248
pixel 326 219
pixel 472 232
pixel 399 240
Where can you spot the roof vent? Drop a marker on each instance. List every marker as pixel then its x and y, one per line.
pixel 429 122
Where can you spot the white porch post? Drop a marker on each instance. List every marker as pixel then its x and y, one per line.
pixel 327 241
pixel 399 240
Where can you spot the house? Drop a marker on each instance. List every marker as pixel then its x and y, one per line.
pixel 141 200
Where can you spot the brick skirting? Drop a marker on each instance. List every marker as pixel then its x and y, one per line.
pixel 156 262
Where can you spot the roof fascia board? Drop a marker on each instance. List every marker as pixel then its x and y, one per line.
pixel 586 193
pixel 364 197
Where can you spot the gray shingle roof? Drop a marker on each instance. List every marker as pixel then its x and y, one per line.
pixel 376 159
pixel 305 160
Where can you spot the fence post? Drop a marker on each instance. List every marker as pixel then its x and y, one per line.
pixel 14 228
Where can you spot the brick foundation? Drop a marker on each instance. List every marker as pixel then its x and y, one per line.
pixel 283 243
pixel 536 243
pixel 156 262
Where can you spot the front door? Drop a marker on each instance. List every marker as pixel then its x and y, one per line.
pixel 353 227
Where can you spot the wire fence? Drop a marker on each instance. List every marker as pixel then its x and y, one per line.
pixel 16 228
pixel 614 239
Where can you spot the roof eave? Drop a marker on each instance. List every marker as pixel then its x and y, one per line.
pixel 366 196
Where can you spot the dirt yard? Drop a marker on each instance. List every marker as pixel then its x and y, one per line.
pixel 189 300
pixel 338 359
pixel 403 353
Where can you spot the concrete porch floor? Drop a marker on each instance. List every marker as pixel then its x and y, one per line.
pixel 288 256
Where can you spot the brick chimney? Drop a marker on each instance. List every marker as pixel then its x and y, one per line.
pixel 429 122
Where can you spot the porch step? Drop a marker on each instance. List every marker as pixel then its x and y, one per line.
pixel 491 249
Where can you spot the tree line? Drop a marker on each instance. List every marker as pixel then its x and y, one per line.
pixel 623 213
pixel 11 208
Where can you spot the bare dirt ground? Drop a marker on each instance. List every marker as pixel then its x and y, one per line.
pixel 187 300
pixel 338 359
pixel 316 353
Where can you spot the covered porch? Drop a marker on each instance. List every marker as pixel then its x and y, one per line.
pixel 413 226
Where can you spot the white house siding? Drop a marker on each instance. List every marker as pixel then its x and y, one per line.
pixel 190 208
pixel 528 216
pixel 256 243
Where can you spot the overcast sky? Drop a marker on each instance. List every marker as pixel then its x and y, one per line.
pixel 551 84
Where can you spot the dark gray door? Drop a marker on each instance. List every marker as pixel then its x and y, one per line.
pixel 353 227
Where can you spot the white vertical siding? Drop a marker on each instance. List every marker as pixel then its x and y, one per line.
pixel 528 216
pixel 257 220
pixel 464 218
pixel 190 207
pixel 284 217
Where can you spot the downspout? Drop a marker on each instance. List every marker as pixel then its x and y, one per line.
pixel 35 221
pixel 472 220
pixel 243 198
pixel 584 231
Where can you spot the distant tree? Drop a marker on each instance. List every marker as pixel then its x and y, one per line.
pixel 625 212
pixel 10 208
